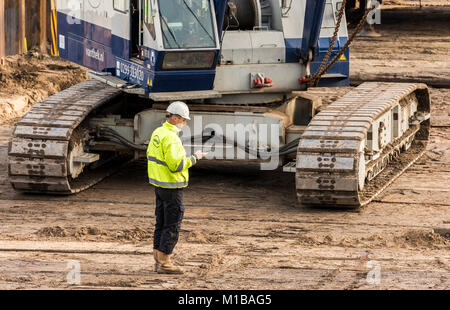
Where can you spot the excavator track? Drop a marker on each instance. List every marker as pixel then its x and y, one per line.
pixel 40 153
pixel 358 145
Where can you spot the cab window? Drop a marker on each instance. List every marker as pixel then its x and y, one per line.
pixel 187 24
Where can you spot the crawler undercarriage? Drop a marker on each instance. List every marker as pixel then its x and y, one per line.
pixel 350 151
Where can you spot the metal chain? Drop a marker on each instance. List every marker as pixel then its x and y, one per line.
pixel 316 77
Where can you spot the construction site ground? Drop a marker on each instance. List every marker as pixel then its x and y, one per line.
pixel 242 227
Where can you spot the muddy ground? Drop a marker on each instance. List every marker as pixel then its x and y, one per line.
pixel 413 46
pixel 29 78
pixel 242 228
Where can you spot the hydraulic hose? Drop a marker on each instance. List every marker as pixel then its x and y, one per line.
pixel 110 133
pixel 289 148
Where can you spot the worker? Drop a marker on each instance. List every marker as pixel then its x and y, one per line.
pixel 168 171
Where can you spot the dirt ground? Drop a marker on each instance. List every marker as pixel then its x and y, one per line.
pixel 29 78
pixel 413 46
pixel 242 228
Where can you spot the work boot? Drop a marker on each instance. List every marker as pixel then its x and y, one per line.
pixel 156 257
pixel 166 265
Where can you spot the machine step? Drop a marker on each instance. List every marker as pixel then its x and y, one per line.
pixel 86 158
pixel 116 82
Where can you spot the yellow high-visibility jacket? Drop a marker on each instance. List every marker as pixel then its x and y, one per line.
pixel 167 162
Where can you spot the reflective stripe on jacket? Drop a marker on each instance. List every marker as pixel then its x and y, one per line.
pixel 167 162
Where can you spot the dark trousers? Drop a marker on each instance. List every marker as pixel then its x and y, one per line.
pixel 169 214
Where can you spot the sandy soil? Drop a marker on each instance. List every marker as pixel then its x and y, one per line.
pixel 29 78
pixel 242 229
pixel 419 39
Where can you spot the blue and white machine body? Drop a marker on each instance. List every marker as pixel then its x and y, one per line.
pixel 199 45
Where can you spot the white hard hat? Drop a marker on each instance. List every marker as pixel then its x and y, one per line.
pixel 179 108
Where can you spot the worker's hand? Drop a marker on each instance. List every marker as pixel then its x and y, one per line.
pixel 200 154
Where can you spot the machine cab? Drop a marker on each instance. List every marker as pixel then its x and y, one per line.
pixel 176 41
pixel 161 45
